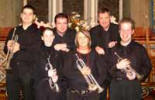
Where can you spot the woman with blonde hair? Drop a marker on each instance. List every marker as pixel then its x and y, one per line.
pixel 79 65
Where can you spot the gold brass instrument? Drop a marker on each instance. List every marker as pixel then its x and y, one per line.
pixel 128 70
pixel 51 83
pixel 10 54
pixel 5 63
pixel 91 81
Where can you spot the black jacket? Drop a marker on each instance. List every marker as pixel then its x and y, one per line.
pixel 30 41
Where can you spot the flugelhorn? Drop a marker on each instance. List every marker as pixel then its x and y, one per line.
pixel 91 81
pixel 5 63
pixel 128 69
pixel 10 54
pixel 51 82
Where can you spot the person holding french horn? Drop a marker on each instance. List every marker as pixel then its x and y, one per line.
pixel 83 70
pixel 129 63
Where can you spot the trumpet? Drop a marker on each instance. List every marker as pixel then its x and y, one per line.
pixel 51 82
pixel 91 81
pixel 128 70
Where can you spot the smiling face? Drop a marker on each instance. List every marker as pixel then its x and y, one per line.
pixel 126 32
pixel 48 37
pixel 83 40
pixel 27 16
pixel 104 20
pixel 61 24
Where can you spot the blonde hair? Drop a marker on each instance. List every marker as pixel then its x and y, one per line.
pixel 87 34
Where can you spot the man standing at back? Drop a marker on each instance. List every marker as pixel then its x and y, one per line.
pixel 64 36
pixel 104 36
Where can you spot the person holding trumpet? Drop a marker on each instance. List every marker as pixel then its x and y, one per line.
pixel 23 49
pixel 129 63
pixel 83 70
pixel 46 74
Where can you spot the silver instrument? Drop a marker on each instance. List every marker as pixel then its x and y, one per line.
pixel 128 70
pixel 51 83
pixel 89 78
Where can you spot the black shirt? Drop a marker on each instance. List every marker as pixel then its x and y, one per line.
pixel 30 41
pixel 100 37
pixel 74 77
pixel 67 38
pixel 40 73
pixel 136 54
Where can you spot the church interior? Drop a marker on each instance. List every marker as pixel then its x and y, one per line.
pixel 141 11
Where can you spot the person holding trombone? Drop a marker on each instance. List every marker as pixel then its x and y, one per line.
pixel 83 70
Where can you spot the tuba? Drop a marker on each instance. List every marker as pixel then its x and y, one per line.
pixel 91 81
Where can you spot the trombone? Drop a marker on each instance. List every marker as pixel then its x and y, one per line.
pixel 128 70
pixel 91 81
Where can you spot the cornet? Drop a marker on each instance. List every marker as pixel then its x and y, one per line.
pixel 5 63
pixel 9 55
pixel 51 83
pixel 91 81
pixel 128 70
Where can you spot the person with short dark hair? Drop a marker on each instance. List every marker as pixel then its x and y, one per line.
pixel 64 40
pixel 64 36
pixel 24 48
pixel 129 64
pixel 47 74
pixel 104 36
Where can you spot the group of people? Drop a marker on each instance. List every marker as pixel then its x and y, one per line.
pixel 62 64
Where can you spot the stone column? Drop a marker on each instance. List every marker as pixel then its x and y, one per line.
pixel 55 6
pixel 120 9
pixel 90 11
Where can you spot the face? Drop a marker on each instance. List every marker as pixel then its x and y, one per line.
pixel 104 19
pixel 27 16
pixel 48 38
pixel 126 32
pixel 83 41
pixel 61 24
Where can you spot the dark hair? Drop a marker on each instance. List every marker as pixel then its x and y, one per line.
pixel 104 10
pixel 46 29
pixel 28 7
pixel 61 15
pixel 128 20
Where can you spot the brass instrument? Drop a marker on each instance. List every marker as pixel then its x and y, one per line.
pixel 91 81
pixel 128 70
pixel 5 63
pixel 10 54
pixel 51 83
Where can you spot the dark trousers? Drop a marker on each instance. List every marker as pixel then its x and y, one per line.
pixel 44 92
pixel 16 84
pixel 87 96
pixel 125 90
pixel 103 95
